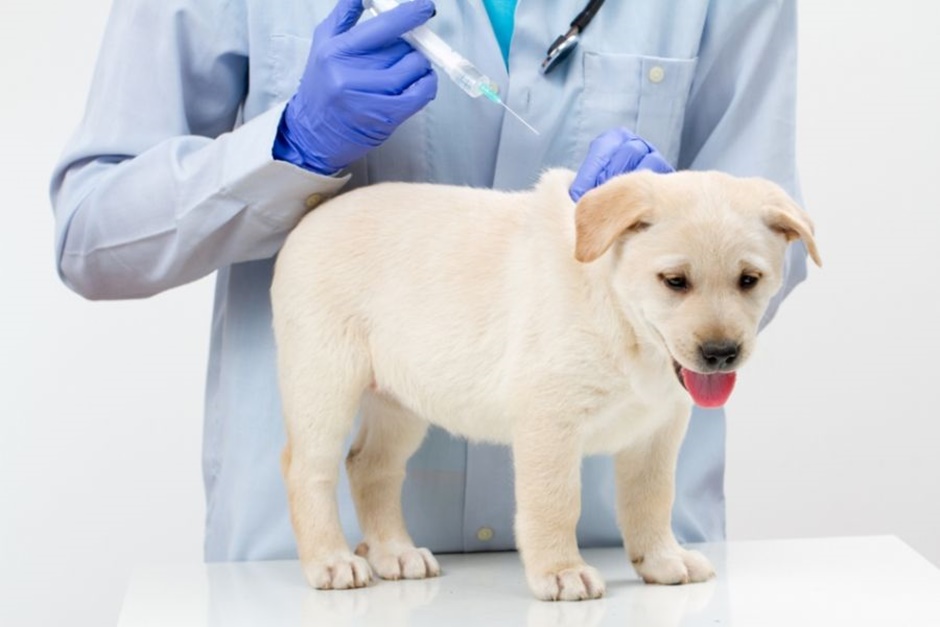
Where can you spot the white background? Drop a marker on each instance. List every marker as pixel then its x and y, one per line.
pixel 834 427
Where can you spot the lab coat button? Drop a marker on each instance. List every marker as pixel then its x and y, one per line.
pixel 657 74
pixel 313 200
pixel 485 534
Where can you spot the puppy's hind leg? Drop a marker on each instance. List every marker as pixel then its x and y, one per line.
pixel 388 436
pixel 321 382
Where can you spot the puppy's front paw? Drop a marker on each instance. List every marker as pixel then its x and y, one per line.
pixel 577 583
pixel 394 560
pixel 339 572
pixel 674 567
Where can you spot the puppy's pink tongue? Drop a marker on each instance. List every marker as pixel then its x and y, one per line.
pixel 709 390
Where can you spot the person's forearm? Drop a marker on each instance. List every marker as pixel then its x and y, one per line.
pixel 178 211
pixel 155 188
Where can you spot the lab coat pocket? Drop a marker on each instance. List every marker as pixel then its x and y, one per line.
pixel 647 95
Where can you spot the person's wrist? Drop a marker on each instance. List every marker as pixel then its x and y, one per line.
pixel 286 149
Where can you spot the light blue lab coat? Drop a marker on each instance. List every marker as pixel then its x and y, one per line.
pixel 170 177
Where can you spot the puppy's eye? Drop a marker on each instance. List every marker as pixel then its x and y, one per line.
pixel 748 281
pixel 675 282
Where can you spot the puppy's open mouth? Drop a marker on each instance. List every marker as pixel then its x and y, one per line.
pixel 706 390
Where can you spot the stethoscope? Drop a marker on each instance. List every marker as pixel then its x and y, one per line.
pixel 565 44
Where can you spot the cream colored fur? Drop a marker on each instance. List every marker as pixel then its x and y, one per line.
pixel 517 318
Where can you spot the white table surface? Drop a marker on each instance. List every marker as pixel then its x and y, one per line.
pixel 826 582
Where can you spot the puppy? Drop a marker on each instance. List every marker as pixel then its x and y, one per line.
pixel 557 328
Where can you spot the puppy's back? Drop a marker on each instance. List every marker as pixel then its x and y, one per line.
pixel 434 232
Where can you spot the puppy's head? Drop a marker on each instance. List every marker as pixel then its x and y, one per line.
pixel 694 259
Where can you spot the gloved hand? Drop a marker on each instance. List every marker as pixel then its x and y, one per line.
pixel 360 83
pixel 617 151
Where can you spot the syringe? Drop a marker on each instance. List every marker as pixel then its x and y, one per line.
pixel 459 69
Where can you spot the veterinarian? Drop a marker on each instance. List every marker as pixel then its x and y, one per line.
pixel 213 127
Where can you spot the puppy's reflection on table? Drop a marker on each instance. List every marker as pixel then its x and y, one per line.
pixel 483 589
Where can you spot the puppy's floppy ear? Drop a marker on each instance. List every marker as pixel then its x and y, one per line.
pixel 604 213
pixel 787 218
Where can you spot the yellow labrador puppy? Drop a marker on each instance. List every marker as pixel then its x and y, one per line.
pixel 560 329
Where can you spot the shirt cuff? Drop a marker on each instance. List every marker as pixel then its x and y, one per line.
pixel 276 191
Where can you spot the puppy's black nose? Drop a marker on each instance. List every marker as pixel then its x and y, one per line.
pixel 719 355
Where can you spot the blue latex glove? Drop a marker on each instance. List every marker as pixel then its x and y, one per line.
pixel 360 83
pixel 617 151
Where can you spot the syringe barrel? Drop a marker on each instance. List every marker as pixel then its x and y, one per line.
pixel 445 58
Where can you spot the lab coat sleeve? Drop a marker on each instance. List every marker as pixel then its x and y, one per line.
pixel 160 185
pixel 741 114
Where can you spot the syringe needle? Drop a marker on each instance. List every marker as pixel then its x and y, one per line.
pixel 518 117
pixel 493 96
